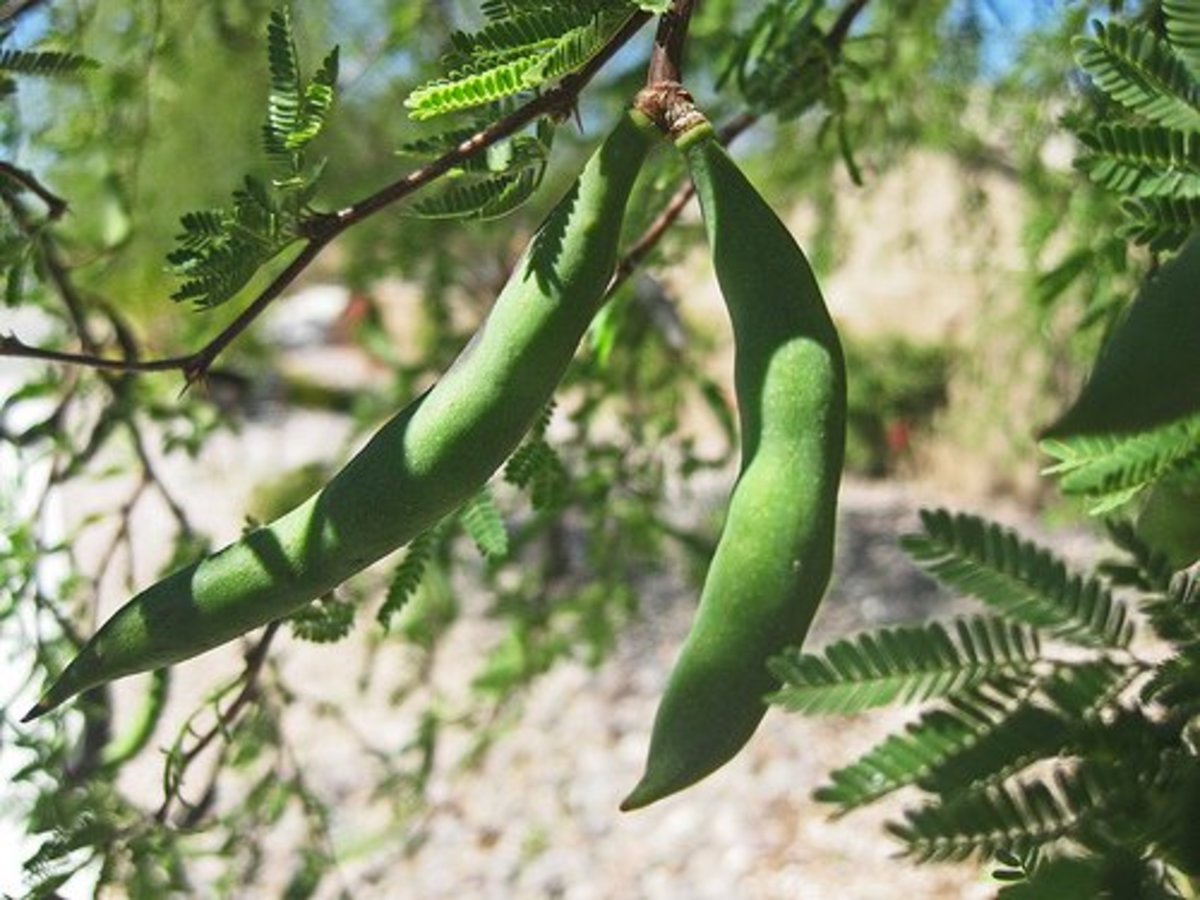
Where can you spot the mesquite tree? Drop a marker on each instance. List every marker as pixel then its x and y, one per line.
pixel 217 155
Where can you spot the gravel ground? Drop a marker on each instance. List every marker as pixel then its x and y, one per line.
pixel 539 819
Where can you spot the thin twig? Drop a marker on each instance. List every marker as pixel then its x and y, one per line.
pixel 14 8
pixel 122 536
pixel 666 62
pixel 56 270
pixel 841 28
pixel 559 101
pixel 727 134
pixel 151 474
pixel 255 660
pixel 56 206
pixel 657 229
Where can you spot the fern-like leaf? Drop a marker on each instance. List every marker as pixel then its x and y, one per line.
pixel 466 88
pixel 1014 817
pixel 1017 578
pixel 1148 569
pixel 525 47
pixel 523 34
pixel 536 467
pixel 904 759
pixel 1183 31
pixel 573 49
pixel 285 98
pixel 1160 223
pixel 296 112
pixel 1052 723
pixel 1175 616
pixel 319 95
pixel 45 63
pixel 1113 469
pixel 1137 70
pixel 406 580
pixel 902 665
pixel 324 621
pixel 1144 161
pixel 483 522
pixel 219 251
pixel 488 198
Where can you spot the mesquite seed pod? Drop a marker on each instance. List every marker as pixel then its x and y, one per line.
pixel 773 560
pixel 420 466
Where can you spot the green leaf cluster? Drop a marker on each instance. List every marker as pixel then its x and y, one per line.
pixel 219 251
pixel 16 63
pixel 522 47
pixel 1142 145
pixel 1069 762
pixel 489 185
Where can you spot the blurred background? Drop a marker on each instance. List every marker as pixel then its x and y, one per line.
pixel 476 740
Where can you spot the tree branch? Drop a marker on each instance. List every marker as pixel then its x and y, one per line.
pixel 657 229
pixel 55 205
pixel 666 62
pixel 255 660
pixel 841 28
pixel 322 230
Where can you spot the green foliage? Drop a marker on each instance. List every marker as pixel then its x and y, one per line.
pixel 1111 470
pixel 906 759
pixel 324 621
pixel 1143 160
pixel 1018 579
pixel 1139 71
pixel 781 63
pixel 522 48
pixel 408 575
pixel 17 63
pixel 1078 772
pixel 482 520
pixel 1183 29
pixel 537 468
pixel 1011 817
pixel 41 64
pixel 903 665
pixel 220 251
pixel 491 184
pixel 584 510
pixel 1151 159
pixel 489 198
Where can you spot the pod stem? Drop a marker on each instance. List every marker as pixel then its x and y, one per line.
pixel 666 61
pixel 670 106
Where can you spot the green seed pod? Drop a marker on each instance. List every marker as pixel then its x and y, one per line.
pixel 1146 374
pixel 420 466
pixel 773 560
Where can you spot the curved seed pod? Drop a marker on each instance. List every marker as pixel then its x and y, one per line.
pixel 1146 374
pixel 424 463
pixel 773 561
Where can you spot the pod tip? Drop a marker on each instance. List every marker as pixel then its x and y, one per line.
pixel 38 709
pixel 632 802
pixel 642 796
